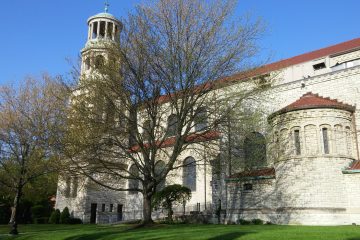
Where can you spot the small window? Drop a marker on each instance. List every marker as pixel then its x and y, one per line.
pixel 248 187
pixel 67 187
pixel 134 182
pixel 172 125
pixel 319 66
pixel 348 140
pixel 297 142
pixel 103 207
pixel 325 135
pixel 99 61
pixel 111 208
pixel 159 167
pixel 255 150
pixel 87 63
pixel 74 189
pixel 201 120
pixel 147 128
pixel 189 173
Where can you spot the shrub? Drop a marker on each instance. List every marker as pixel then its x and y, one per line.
pixel 55 217
pixel 257 221
pixel 170 195
pixel 75 221
pixel 244 222
pixel 65 216
pixel 5 214
pixel 38 213
pixel 41 220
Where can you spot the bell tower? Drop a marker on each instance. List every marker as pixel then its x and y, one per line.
pixel 103 36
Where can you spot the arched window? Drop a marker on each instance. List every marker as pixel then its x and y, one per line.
pixel 296 141
pixel 99 61
pixel 172 124
pixel 87 63
pixel 189 173
pixel 74 187
pixel 255 150
pixel 133 172
pixel 325 140
pixel 201 120
pixel 146 130
pixel 159 167
pixel 348 141
pixel 67 187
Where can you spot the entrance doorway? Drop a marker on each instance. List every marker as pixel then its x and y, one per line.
pixel 93 213
pixel 120 212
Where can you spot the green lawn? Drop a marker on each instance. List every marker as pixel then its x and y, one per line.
pixel 211 232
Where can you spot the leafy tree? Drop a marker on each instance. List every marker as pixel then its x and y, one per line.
pixel 65 216
pixel 173 58
pixel 170 195
pixel 32 120
pixel 55 217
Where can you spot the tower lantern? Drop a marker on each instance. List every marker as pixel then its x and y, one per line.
pixel 103 34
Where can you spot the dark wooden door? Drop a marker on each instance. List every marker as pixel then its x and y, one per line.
pixel 93 213
pixel 120 212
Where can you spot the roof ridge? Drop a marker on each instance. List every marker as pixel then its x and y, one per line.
pixel 291 61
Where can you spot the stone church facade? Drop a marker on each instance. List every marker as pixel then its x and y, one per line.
pixel 312 178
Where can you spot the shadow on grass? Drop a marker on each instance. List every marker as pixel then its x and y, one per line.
pixel 93 236
pixel 111 235
pixel 229 236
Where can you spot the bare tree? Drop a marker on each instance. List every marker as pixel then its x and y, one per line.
pixel 174 59
pixel 32 121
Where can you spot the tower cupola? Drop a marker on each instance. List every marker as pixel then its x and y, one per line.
pixel 104 26
pixel 103 35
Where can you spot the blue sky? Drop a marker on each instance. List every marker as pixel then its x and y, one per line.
pixel 39 36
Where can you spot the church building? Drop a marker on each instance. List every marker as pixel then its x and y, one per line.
pixel 312 117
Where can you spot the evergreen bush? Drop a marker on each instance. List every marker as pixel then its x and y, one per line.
pixel 65 216
pixel 55 217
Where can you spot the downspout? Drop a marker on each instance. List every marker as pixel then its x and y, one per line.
pixel 205 180
pixel 356 136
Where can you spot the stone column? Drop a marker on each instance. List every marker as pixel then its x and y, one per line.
pixel 98 29
pixel 106 29
pixel 113 32
pixel 90 31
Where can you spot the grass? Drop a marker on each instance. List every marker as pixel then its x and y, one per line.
pixel 196 232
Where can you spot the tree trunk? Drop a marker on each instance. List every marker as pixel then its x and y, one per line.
pixel 170 212
pixel 14 212
pixel 147 209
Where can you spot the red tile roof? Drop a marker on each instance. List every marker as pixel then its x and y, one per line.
pixel 310 100
pixel 350 45
pixel 192 138
pixel 264 172
pixel 355 165
pixel 323 52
